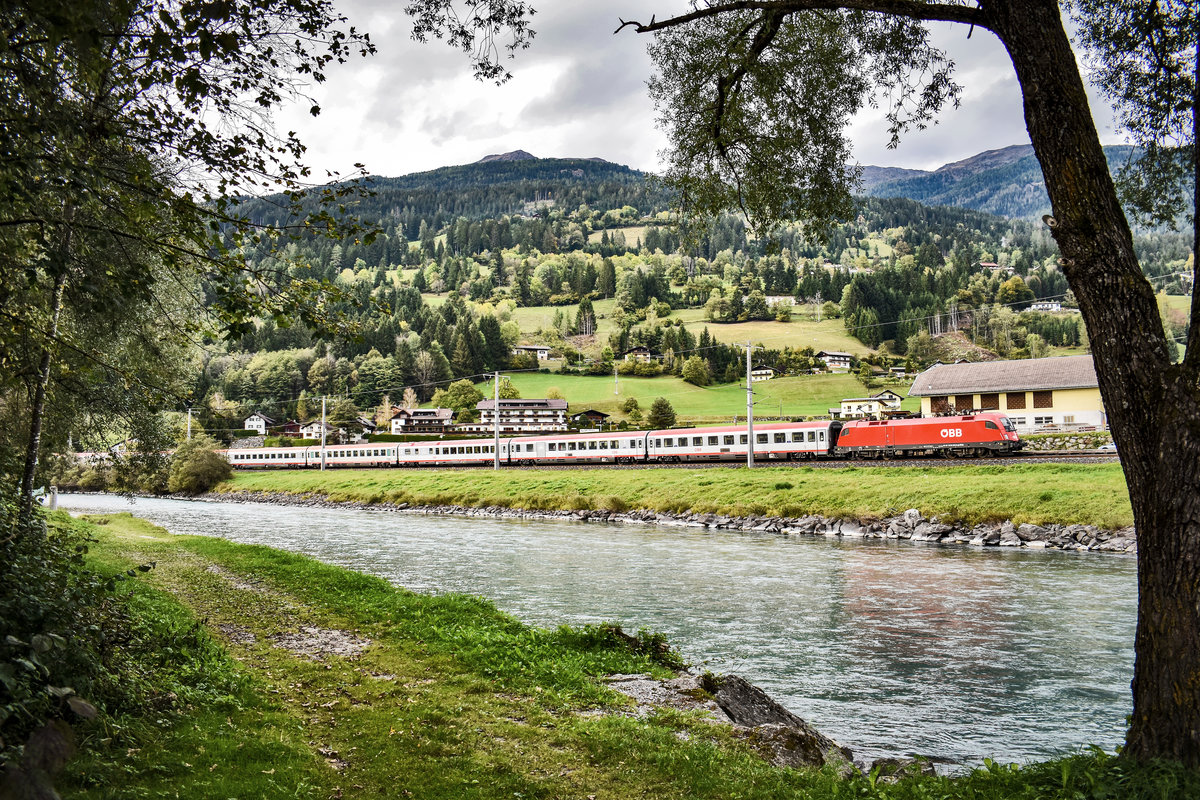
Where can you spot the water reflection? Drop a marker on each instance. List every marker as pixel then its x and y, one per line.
pixel 889 647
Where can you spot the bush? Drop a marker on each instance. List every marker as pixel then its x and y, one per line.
pixel 197 467
pixel 60 623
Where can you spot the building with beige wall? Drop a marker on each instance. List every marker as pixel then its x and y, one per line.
pixel 1035 393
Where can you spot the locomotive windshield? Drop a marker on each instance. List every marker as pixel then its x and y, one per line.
pixel 1008 426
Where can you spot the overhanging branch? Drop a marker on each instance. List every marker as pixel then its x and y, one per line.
pixel 912 9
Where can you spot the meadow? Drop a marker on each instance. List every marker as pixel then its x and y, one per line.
pixel 802 395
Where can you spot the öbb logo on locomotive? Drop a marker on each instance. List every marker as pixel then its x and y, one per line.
pixel 970 435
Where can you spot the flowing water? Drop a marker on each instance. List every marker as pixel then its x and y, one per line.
pixel 891 648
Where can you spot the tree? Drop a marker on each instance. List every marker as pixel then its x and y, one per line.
pixel 117 185
pixel 695 371
pixel 585 318
pixel 196 467
pixel 755 98
pixel 662 414
pixel 460 396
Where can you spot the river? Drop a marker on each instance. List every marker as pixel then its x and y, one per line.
pixel 891 648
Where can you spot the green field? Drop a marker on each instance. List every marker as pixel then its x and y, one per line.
pixel 804 395
pixel 1042 494
pixel 1180 302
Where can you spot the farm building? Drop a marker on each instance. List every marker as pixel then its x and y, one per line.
pixel 1035 393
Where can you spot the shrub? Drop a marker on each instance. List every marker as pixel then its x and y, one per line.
pixel 197 467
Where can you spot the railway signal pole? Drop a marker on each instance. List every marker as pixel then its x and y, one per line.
pixel 496 424
pixel 322 433
pixel 749 410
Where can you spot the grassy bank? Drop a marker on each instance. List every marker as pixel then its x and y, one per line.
pixel 1041 494
pixel 433 697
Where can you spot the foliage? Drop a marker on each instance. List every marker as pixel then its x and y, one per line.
pixel 695 371
pixel 196 467
pixel 462 396
pixel 65 636
pixel 754 104
pixel 662 414
pixel 1143 57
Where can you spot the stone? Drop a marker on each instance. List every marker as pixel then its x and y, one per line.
pixel 1029 533
pixel 786 739
pixel 1010 539
pixel 891 770
pixel 913 518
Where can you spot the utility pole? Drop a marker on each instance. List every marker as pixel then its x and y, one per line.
pixel 322 433
pixel 818 306
pixel 189 423
pixel 496 423
pixel 749 411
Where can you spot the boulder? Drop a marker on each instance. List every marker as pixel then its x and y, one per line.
pixel 1031 533
pixel 784 738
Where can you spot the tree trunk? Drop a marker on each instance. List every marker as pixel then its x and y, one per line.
pixel 1153 406
pixel 38 411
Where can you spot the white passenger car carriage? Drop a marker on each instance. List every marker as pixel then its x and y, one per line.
pixel 772 441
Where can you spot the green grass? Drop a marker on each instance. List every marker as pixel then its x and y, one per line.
pixel 804 395
pixel 451 699
pixel 1041 494
pixel 1180 302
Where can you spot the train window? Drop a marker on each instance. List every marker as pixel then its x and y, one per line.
pixel 987 423
pixel 614 444
pixel 812 436
pixel 682 442
pixel 668 442
pixel 658 442
pixel 697 441
pixel 744 439
pixel 797 436
pixel 822 436
pixel 712 441
pixel 633 442
pixel 553 447
pixel 591 445
pixel 727 439
pixel 780 437
pixel 604 445
pixel 761 438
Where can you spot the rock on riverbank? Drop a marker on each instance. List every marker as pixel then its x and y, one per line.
pixel 911 525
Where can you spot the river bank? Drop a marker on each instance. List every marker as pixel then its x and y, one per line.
pixel 911 525
pixel 353 687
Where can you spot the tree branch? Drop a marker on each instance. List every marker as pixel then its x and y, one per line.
pixel 912 9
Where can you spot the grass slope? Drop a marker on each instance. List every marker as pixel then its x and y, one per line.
pixel 805 395
pixel 1041 494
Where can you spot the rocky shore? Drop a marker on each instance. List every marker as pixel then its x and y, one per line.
pixel 911 525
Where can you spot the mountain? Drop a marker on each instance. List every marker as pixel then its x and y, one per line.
pixel 515 155
pixel 1007 181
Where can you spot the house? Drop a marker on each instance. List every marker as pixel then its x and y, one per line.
pixel 640 353
pixel 1035 393
pixel 312 430
pixel 1046 305
pixel 539 351
pixel 835 360
pixel 258 423
pixel 368 424
pixel 760 372
pixel 524 415
pixel 590 417
pixel 780 300
pixel 289 428
pixel 421 420
pixel 885 404
pixel 898 372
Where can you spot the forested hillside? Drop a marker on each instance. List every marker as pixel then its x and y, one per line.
pixel 583 256
pixel 1006 182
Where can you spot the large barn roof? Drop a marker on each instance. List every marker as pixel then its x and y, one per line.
pixel 1031 374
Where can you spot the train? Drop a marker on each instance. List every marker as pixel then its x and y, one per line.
pixel 965 436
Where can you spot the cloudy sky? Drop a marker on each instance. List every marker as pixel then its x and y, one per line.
pixel 580 91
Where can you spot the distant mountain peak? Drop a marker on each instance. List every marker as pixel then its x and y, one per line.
pixel 515 155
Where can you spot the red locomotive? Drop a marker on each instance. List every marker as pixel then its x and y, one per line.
pixel 955 436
